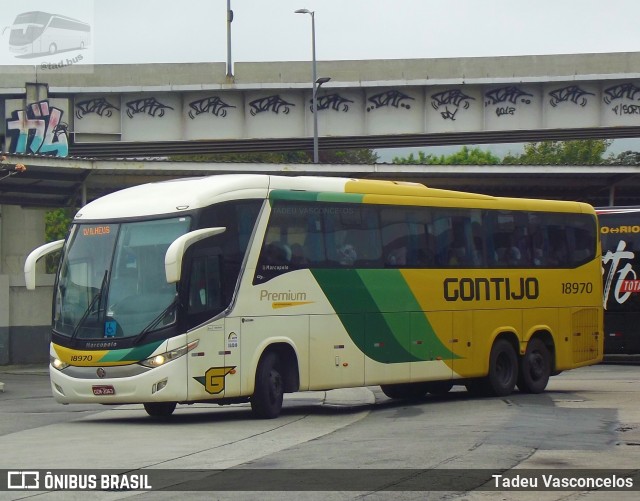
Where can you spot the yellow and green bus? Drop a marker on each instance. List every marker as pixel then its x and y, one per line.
pixel 236 288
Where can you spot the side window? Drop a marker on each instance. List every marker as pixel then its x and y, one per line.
pixel 407 238
pixel 352 236
pixel 205 284
pixel 519 239
pixel 509 241
pixel 456 243
pixel 294 239
pixel 304 235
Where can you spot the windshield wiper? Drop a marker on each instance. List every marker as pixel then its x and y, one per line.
pixel 93 302
pixel 154 323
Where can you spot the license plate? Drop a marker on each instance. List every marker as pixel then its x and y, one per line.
pixel 103 390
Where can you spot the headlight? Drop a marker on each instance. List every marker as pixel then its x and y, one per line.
pixel 57 363
pixel 163 358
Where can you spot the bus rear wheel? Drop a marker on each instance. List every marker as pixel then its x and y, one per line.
pixel 405 390
pixel 266 402
pixel 503 369
pixel 160 409
pixel 503 372
pixel 535 367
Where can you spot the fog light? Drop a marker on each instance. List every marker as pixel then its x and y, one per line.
pixel 159 386
pixel 58 389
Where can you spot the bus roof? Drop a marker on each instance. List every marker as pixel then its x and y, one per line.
pixel 180 195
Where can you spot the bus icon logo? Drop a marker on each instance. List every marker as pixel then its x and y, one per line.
pixel 38 33
pixel 23 480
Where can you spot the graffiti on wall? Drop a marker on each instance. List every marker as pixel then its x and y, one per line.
pixel 570 93
pixel 274 104
pixel 99 105
pixel 626 91
pixel 452 99
pixel 148 105
pixel 508 97
pixel 211 105
pixel 391 98
pixel 38 129
pixel 333 102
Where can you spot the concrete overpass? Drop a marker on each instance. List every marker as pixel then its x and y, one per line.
pixel 165 109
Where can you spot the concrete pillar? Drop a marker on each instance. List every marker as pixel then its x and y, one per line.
pixel 36 92
pixel 21 231
pixel 25 316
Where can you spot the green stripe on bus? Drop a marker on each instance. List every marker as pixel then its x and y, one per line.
pixel 131 354
pixel 353 198
pixel 315 196
pixel 379 312
pixel 391 293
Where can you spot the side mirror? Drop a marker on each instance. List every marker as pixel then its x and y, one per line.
pixel 175 252
pixel 32 259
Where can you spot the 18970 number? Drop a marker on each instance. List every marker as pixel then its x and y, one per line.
pixel 577 287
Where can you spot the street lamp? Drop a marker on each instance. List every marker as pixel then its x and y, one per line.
pixel 316 81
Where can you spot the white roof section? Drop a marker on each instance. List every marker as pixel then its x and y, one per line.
pixel 174 197
pixel 181 195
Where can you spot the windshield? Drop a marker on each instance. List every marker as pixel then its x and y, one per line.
pixel 112 280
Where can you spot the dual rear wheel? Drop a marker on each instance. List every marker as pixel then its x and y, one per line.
pixel 531 375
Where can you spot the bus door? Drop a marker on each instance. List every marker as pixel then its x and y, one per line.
pixel 207 369
pixel 204 298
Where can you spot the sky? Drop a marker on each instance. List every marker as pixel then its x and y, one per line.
pixel 143 31
pixel 153 31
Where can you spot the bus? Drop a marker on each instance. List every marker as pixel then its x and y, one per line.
pixel 620 235
pixel 36 32
pixel 241 288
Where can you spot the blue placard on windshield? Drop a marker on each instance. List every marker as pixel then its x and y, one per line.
pixel 110 328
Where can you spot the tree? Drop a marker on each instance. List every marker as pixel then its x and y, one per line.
pixel 355 156
pixel 466 156
pixel 626 158
pixel 579 152
pixel 56 226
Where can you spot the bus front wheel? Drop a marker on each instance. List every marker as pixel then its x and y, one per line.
pixel 535 367
pixel 160 409
pixel 266 402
